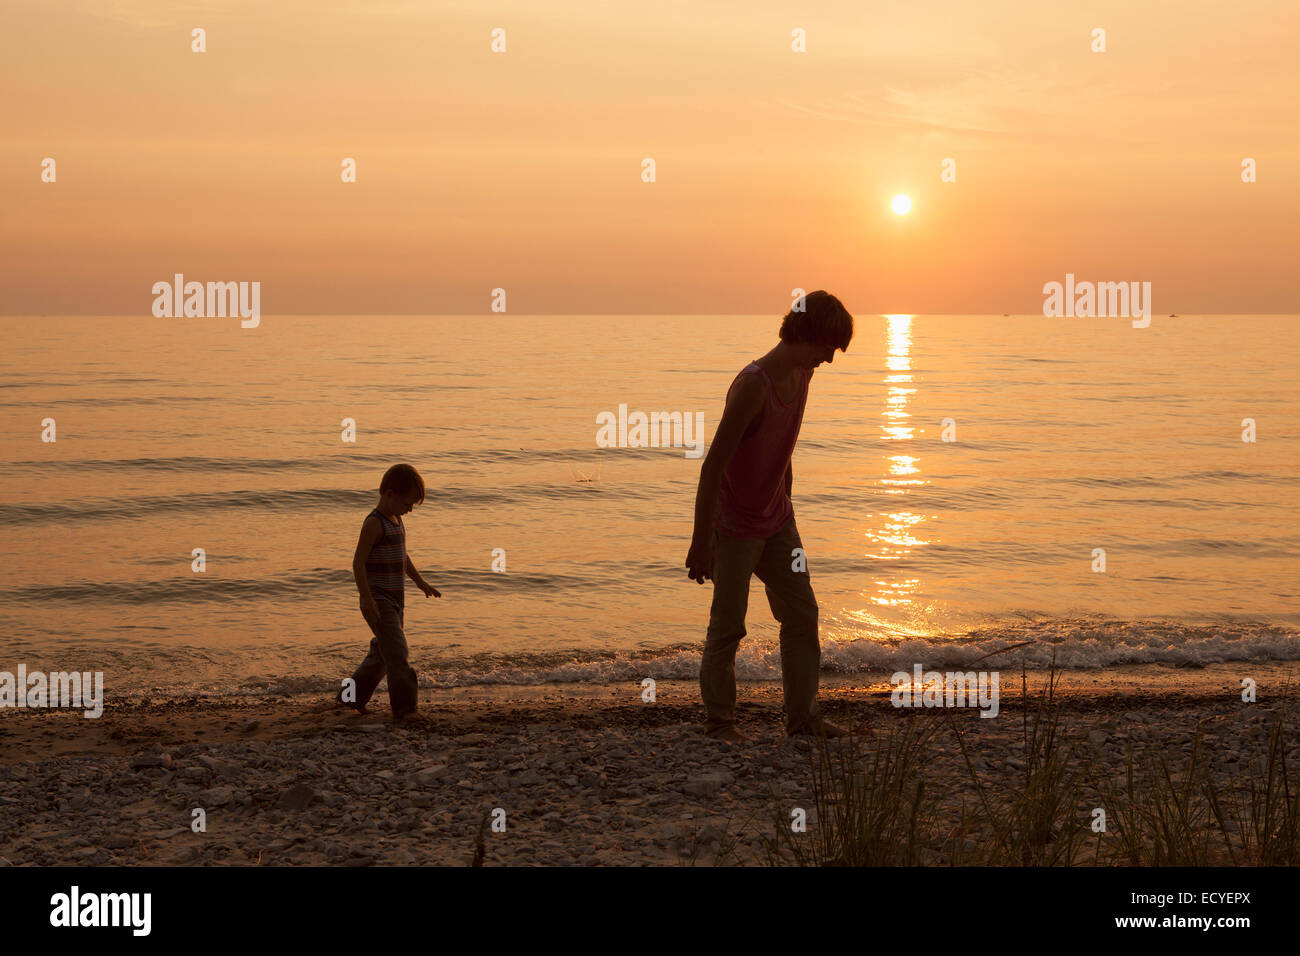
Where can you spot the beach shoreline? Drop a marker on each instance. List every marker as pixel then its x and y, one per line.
pixel 579 774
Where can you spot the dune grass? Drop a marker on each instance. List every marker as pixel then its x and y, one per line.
pixel 876 803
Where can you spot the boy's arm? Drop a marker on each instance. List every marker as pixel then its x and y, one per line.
pixel 370 535
pixel 423 585
pixel 744 402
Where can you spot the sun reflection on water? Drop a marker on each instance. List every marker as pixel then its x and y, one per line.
pixel 896 533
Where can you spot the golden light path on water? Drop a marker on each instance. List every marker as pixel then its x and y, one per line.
pixel 896 533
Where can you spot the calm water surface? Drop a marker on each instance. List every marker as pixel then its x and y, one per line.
pixel 1071 435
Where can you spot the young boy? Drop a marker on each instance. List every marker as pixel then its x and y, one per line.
pixel 744 521
pixel 380 565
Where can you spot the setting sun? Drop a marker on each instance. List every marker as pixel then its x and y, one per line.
pixel 902 204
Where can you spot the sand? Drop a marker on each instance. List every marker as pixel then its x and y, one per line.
pixel 579 775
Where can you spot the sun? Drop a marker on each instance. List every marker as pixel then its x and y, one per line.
pixel 902 204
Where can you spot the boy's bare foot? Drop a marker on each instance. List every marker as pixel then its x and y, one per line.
pixel 731 735
pixel 407 716
pixel 341 705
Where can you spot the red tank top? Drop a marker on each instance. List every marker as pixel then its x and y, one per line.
pixel 754 503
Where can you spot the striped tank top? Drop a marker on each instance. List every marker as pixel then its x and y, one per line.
pixel 386 565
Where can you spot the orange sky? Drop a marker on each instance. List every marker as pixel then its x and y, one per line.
pixel 522 170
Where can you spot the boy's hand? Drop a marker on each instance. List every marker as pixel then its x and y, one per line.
pixel 428 589
pixel 699 560
pixel 369 609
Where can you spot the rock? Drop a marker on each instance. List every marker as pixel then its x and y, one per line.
pixel 297 797
pixel 4 862
pixel 145 761
pixel 216 797
pixel 430 774
pixel 707 784
pixel 117 841
pixel 1098 737
pixel 711 833
pixel 251 724
pixel 222 767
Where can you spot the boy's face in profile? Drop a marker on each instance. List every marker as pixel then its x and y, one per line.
pixel 399 503
pixel 811 354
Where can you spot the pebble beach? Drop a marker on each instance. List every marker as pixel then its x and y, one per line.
pixel 529 776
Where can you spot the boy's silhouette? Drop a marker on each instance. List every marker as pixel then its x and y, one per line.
pixel 381 566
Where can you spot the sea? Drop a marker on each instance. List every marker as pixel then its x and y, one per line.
pixel 182 496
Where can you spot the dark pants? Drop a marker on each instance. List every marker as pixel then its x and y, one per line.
pixel 790 596
pixel 388 654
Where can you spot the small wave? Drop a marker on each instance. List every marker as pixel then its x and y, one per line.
pixel 203 465
pixel 308 500
pixel 147 666
pixel 1070 644
pixel 200 588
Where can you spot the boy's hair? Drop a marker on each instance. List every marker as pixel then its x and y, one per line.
pixel 824 321
pixel 403 479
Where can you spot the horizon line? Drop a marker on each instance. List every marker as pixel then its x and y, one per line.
pixel 1000 315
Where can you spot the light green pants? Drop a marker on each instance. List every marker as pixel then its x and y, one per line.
pixel 790 595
